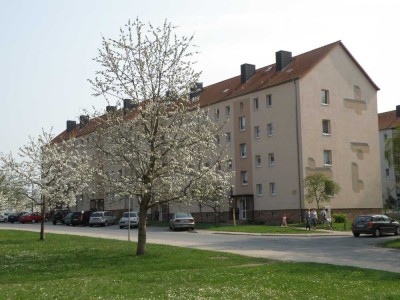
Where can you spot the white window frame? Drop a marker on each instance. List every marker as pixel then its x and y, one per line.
pixel 256 104
pixel 269 100
pixel 230 165
pixel 227 111
pixel 216 114
pixel 270 129
pixel 271 159
pixel 243 150
pixel 244 177
pixel 259 189
pixel 242 123
pixel 257 132
pixel 272 188
pixel 258 161
pixel 324 97
pixel 326 124
pixel 327 156
pixel 228 138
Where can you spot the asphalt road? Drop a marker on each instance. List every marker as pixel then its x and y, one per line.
pixel 338 249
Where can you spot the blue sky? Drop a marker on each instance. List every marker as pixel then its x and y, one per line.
pixel 46 47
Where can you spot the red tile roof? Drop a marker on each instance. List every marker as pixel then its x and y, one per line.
pixel 388 120
pixel 268 76
pixel 263 78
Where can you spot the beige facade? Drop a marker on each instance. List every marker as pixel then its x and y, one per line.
pixel 315 112
pixel 289 124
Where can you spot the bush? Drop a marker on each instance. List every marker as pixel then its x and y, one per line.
pixel 339 218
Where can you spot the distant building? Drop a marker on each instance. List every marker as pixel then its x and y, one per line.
pixel 314 112
pixel 388 121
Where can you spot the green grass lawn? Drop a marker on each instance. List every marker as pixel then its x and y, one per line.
pixel 392 244
pixel 72 267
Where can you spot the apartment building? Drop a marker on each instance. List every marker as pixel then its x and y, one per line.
pixel 314 112
pixel 388 122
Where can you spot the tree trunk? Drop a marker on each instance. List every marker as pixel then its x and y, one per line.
pixel 43 214
pixel 141 245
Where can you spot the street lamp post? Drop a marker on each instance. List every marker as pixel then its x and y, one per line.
pixel 129 219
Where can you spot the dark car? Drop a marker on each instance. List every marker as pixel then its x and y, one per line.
pixel 59 216
pixel 375 225
pixel 78 218
pixel 14 217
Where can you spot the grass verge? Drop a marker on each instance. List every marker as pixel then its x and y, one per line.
pixel 261 229
pixel 392 244
pixel 73 267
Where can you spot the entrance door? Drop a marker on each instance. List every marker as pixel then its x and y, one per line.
pixel 243 209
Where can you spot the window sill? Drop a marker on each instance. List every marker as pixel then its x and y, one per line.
pixel 328 165
pixel 326 134
pixel 324 104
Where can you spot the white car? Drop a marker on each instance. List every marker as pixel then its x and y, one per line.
pixel 133 219
pixel 102 218
pixel 4 218
pixel 181 220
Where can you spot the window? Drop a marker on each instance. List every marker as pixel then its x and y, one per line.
pixel 387 172
pixel 385 136
pixel 242 123
pixel 259 189
pixel 327 157
pixel 119 174
pixel 324 97
pixel 229 164
pixel 243 176
pixel 272 188
pixel 255 104
pixel 271 159
pixel 326 126
pixel 227 111
pixel 257 132
pixel 270 129
pixel 217 139
pixel 258 161
pixel 241 105
pixel 216 114
pixel 243 150
pixel 269 100
pixel 228 137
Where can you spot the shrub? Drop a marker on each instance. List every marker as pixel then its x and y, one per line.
pixel 339 218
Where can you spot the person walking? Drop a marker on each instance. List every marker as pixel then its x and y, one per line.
pixel 314 218
pixel 284 221
pixel 308 219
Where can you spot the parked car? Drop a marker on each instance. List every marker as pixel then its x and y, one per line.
pixel 14 217
pixel 375 225
pixel 102 218
pixel 31 217
pixel 3 218
pixel 59 215
pixel 78 218
pixel 181 220
pixel 129 217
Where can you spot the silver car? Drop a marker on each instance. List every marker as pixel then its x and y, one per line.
pixel 133 219
pixel 102 218
pixel 181 220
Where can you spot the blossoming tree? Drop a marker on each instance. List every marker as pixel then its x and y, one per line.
pixel 48 174
pixel 165 143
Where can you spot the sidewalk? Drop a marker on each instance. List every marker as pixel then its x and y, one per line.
pixel 316 233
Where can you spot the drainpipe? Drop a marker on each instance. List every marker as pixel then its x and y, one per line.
pixel 295 82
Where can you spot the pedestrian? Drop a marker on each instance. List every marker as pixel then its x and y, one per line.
pixel 284 221
pixel 314 218
pixel 323 216
pixel 308 219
